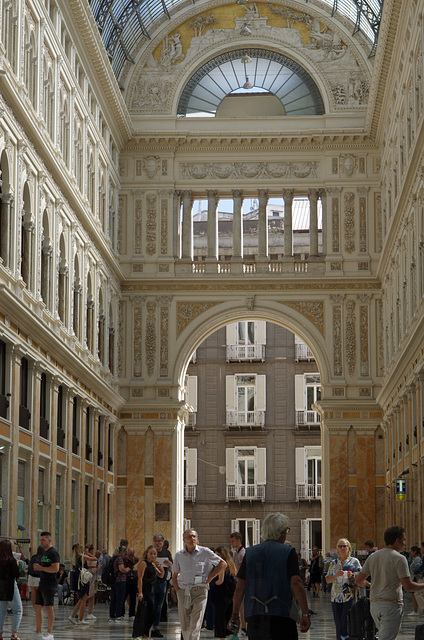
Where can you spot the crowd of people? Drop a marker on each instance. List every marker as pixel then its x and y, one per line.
pixel 258 592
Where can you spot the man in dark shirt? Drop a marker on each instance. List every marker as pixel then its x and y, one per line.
pixel 44 597
pixel 268 580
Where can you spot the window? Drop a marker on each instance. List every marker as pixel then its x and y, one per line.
pixel 246 341
pixel 24 414
pixel 4 402
pixel 246 400
pixel 246 473
pixel 60 418
pixel 191 399
pixel 88 433
pixel 44 423
pixel 307 393
pixel 302 351
pixel 190 474
pixel 250 531
pixel 75 427
pixel 308 473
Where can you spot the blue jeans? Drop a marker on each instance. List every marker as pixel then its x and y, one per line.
pixel 16 606
pixel 340 611
pixel 117 599
pixel 387 618
pixel 158 596
pixel 62 591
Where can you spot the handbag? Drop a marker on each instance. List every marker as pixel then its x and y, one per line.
pixel 140 619
pixel 85 575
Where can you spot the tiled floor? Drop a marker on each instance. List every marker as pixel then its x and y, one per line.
pixel 322 624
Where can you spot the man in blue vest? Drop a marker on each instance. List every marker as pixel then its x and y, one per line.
pixel 268 579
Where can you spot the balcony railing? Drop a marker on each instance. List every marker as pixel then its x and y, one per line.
pixel 246 492
pixel 308 492
pixel 190 492
pixel 246 352
pixel 307 417
pixel 303 352
pixel 191 419
pixel 246 418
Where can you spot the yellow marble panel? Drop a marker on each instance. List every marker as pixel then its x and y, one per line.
pixel 110 478
pixel 339 499
pixel 25 439
pixel 76 462
pixel 45 448
pixel 4 430
pixel 61 456
pixel 351 414
pixel 100 473
pixel 135 515
pixel 89 468
pixel 365 465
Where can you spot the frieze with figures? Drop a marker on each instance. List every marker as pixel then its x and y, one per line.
pixel 248 170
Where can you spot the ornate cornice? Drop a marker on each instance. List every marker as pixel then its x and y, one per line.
pixel 249 285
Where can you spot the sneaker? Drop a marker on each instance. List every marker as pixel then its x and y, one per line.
pixel 242 633
pixel 111 620
pixel 414 613
pixel 120 620
pixel 72 619
pixel 49 636
pixel 156 634
pixel 38 636
pixel 90 617
pixel 84 622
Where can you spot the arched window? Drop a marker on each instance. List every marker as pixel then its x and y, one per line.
pixel 6 212
pixel 27 239
pixel 63 282
pixel 89 315
pixel 101 329
pixel 64 129
pixel 111 349
pixel 76 317
pixel 46 262
pixel 10 25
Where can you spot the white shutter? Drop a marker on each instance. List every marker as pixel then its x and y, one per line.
pixel 257 532
pixel 313 452
pixel 260 332
pixel 300 465
pixel 304 539
pixel 191 467
pixel 260 463
pixel 235 526
pixel 230 457
pixel 231 331
pixel 260 393
pixel 299 393
pixel 231 393
pixel 192 392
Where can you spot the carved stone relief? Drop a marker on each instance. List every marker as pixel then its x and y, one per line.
pixel 363 337
pixel 138 218
pixel 378 223
pixel 380 338
pixel 150 341
pixel 337 336
pixel 151 202
pixel 138 341
pixel 314 311
pixel 249 170
pixel 122 334
pixel 162 66
pixel 335 214
pixel 362 224
pixel 163 226
pixel 188 311
pixel 350 339
pixel 349 221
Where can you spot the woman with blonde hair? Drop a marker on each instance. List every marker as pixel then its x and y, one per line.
pixel 148 572
pixel 79 559
pixel 224 590
pixel 341 576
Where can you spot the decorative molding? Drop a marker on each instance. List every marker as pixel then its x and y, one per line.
pixel 163 226
pixel 350 338
pixel 349 221
pixel 138 220
pixel 335 214
pixel 337 340
pixel 362 224
pixel 138 341
pixel 150 339
pixel 363 341
pixel 188 311
pixel 151 203
pixel 314 311
pixel 248 170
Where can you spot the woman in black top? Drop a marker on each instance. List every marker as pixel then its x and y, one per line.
pixel 9 573
pixel 148 572
pixel 224 590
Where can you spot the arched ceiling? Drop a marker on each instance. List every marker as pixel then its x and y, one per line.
pixel 123 22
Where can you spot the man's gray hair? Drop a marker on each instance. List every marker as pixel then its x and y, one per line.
pixel 274 525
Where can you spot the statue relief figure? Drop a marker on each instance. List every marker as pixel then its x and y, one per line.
pixel 252 11
pixel 172 50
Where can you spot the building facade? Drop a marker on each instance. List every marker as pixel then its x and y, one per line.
pixel 102 303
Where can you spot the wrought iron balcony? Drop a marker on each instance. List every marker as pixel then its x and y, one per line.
pixel 246 418
pixel 190 492
pixel 246 492
pixel 247 352
pixel 307 417
pixel 308 491
pixel 303 352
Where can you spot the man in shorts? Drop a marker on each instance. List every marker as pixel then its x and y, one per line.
pixel 44 597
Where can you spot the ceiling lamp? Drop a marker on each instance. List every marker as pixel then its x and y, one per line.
pixel 247 84
pixel 245 31
pixel 246 59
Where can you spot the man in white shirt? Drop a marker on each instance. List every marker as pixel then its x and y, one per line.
pixel 191 576
pixel 390 572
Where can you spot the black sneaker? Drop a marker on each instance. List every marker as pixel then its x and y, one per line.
pixel 156 633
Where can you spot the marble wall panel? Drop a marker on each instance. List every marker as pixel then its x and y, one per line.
pixel 135 513
pixel 365 465
pixel 339 503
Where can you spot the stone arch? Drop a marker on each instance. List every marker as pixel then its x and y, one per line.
pixel 213 319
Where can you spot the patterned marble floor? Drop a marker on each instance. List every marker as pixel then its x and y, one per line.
pixel 322 624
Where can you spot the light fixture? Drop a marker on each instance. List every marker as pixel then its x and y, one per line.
pixel 245 31
pixel 247 84
pixel 242 2
pixel 246 59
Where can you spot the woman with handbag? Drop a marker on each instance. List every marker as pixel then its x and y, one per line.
pixel 9 572
pixel 341 576
pixel 225 586
pixel 148 571
pixel 79 562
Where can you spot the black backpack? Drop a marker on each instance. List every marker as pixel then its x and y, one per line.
pixel 35 559
pixel 108 576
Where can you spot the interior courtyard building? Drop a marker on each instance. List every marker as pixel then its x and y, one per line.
pixel 117 117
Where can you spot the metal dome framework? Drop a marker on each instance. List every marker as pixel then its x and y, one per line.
pixel 123 22
pixel 267 70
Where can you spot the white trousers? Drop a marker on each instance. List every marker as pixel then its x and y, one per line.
pixel 191 619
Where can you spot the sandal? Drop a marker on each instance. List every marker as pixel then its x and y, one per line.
pixel 13 637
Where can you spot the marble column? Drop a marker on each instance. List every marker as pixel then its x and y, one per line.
pixel 45 281
pixel 77 309
pixel 63 294
pixel 14 453
pixel 89 328
pixel 313 223
pixel 112 350
pixel 324 221
pixel 35 372
pixel 263 224
pixel 176 212
pixel 237 224
pixel 67 425
pixel 288 222
pixel 101 338
pixel 187 245
pixel 212 225
pixel 53 390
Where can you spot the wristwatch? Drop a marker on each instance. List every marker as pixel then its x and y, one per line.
pixel 306 615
